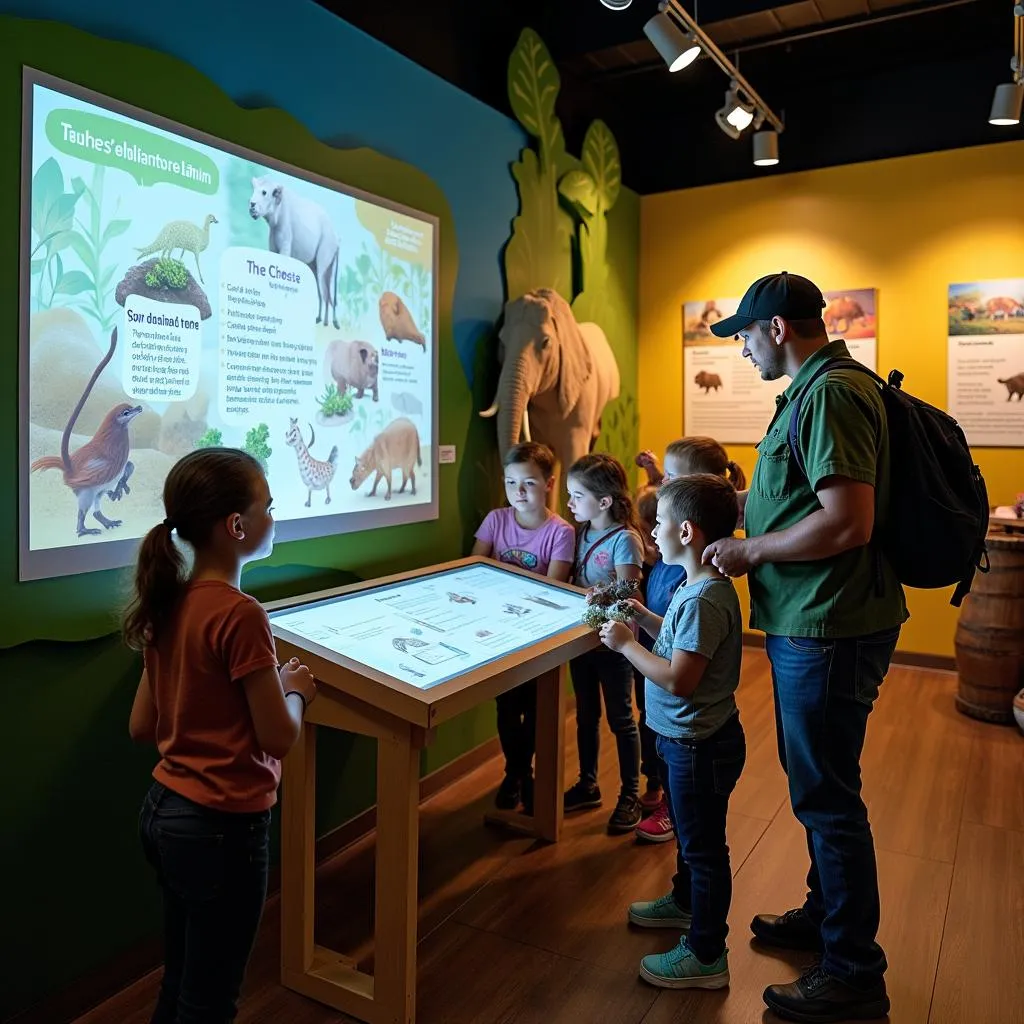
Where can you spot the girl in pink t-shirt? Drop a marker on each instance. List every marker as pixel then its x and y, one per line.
pixel 528 534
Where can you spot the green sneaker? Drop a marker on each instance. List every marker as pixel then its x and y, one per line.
pixel 679 968
pixel 663 912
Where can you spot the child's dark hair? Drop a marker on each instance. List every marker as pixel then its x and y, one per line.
pixel 706 455
pixel 647 505
pixel 201 490
pixel 530 451
pixel 705 499
pixel 605 477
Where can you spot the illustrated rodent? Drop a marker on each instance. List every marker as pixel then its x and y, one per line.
pixel 181 234
pixel 397 446
pixel 397 321
pixel 101 465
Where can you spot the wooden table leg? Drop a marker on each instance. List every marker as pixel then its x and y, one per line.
pixel 550 759
pixel 298 856
pixel 394 975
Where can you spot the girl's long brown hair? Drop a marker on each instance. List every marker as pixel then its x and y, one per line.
pixel 201 490
pixel 706 455
pixel 605 477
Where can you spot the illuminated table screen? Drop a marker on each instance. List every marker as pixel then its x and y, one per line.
pixel 430 629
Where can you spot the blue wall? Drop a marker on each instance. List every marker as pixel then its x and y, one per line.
pixel 348 90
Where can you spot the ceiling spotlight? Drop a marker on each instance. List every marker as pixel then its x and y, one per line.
pixel 678 49
pixel 766 148
pixel 736 115
pixel 1007 103
pixel 616 5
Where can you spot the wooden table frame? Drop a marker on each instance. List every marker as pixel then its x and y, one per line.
pixel 402 719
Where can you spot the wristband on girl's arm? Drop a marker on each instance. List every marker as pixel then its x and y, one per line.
pixel 296 693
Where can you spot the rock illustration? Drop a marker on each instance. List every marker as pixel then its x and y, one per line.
pixel 164 280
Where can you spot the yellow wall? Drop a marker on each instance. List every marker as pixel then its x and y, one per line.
pixel 908 227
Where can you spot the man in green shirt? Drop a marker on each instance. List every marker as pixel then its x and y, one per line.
pixel 831 608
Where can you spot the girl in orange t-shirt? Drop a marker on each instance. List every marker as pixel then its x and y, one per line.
pixel 221 714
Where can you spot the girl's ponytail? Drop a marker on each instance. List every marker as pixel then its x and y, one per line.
pixel 735 475
pixel 159 585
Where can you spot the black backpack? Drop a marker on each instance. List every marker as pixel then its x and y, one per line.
pixel 938 503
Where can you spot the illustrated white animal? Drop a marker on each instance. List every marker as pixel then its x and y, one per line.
pixel 301 229
pixel 316 474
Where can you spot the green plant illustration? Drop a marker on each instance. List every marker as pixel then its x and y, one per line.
pixel 379 272
pixel 53 221
pixel 89 242
pixel 333 404
pixel 359 423
pixel 418 294
pixel 256 444
pixel 378 420
pixel 167 273
pixel 591 193
pixel 213 438
pixel 539 253
pixel 352 301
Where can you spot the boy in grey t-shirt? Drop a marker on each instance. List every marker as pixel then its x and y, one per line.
pixel 691 678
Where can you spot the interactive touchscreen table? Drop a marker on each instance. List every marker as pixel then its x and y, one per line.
pixel 394 658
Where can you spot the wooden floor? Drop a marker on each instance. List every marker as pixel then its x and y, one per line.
pixel 513 931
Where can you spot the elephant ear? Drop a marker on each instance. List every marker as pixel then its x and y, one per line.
pixel 575 361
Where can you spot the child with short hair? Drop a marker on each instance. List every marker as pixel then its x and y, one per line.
pixel 608 547
pixel 221 714
pixel 692 674
pixel 528 534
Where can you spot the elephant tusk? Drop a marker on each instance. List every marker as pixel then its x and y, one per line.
pixel 526 425
pixel 488 413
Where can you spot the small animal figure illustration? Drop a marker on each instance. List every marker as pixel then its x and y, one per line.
pixel 403 643
pixel 1014 386
pixel 181 234
pixel 101 463
pixel 841 314
pixel 460 598
pixel 516 610
pixel 412 671
pixel 707 381
pixel 301 229
pixel 397 321
pixel 406 402
pixel 546 603
pixel 316 474
pixel 352 364
pixel 1002 306
pixel 397 446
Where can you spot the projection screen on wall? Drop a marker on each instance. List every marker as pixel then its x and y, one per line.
pixel 218 297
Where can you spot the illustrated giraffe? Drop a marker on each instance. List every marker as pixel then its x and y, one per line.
pixel 316 474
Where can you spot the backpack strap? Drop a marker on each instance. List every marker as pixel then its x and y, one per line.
pixel 842 363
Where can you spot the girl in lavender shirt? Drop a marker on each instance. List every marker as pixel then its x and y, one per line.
pixel 528 534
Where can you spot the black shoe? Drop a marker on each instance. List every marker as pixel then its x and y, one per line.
pixel 581 797
pixel 507 798
pixel 527 791
pixel 626 815
pixel 818 998
pixel 793 930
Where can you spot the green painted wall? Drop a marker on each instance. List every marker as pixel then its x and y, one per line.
pixel 75 882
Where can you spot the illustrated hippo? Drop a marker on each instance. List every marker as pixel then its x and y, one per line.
pixel 352 364
pixel 397 446
pixel 707 381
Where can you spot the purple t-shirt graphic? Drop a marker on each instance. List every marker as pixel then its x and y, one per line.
pixel 536 549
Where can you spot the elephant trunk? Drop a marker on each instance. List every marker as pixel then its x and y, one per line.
pixel 512 399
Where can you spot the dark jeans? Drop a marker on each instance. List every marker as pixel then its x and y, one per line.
pixel 608 672
pixel 650 763
pixel 824 691
pixel 517 729
pixel 699 777
pixel 212 868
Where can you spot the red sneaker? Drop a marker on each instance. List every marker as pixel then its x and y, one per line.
pixel 656 827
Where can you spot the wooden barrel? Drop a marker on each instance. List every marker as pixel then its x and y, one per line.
pixel 990 634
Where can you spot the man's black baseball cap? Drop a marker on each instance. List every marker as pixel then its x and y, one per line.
pixel 787 295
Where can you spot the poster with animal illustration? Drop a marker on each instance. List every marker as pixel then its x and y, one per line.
pixel 724 395
pixel 985 381
pixel 179 292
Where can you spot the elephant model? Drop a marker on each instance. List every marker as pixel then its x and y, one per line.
pixel 556 378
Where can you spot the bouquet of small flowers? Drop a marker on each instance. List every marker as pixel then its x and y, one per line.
pixel 609 602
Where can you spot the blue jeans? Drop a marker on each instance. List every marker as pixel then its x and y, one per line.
pixel 212 867
pixel 606 672
pixel 699 777
pixel 824 691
